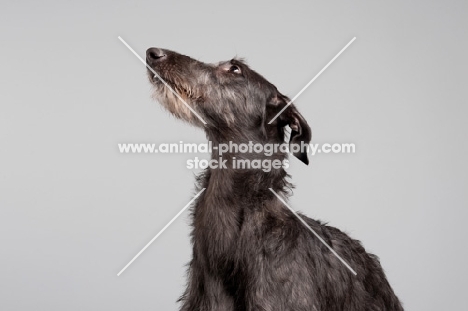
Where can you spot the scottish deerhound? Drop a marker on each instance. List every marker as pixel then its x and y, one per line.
pixel 249 251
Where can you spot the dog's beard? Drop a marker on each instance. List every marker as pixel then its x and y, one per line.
pixel 174 104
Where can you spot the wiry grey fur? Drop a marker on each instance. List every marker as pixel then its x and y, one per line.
pixel 249 251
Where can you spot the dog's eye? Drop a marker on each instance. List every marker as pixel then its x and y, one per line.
pixel 234 69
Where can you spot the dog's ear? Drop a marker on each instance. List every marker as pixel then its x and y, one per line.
pixel 301 133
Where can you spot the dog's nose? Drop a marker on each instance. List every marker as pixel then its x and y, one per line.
pixel 153 54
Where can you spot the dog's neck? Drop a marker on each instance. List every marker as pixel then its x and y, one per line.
pixel 241 176
pixel 237 166
pixel 237 148
pixel 232 197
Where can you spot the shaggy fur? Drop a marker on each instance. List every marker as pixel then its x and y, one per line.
pixel 249 251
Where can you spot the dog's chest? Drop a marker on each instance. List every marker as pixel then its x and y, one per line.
pixel 217 230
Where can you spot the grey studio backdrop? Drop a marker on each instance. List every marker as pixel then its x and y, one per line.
pixel 74 211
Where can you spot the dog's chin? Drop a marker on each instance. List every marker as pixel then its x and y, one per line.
pixel 174 105
pixel 172 96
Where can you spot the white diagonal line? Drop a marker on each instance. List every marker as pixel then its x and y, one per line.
pixel 315 233
pixel 159 233
pixel 165 83
pixel 313 79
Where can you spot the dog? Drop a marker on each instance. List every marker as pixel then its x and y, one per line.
pixel 250 252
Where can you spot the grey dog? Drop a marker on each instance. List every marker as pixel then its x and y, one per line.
pixel 249 251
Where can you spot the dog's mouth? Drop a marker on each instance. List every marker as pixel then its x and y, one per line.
pixel 165 83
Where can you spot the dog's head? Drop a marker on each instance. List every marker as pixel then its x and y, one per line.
pixel 235 102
